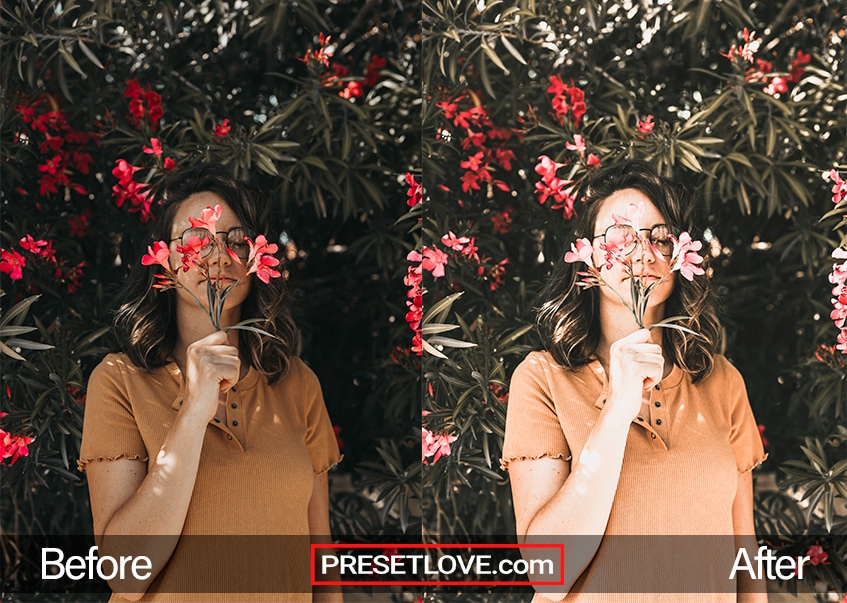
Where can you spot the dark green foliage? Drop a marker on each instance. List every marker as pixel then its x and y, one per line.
pixel 328 144
pixel 756 158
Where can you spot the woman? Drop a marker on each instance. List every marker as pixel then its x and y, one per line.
pixel 626 436
pixel 192 431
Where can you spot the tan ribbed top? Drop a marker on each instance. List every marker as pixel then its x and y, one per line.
pixel 256 470
pixel 679 475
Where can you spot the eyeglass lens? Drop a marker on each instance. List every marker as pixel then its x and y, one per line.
pixel 234 240
pixel 625 237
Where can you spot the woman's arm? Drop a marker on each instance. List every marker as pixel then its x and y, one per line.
pixel 320 534
pixel 749 590
pixel 128 500
pixel 574 504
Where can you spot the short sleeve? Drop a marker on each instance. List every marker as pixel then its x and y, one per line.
pixel 744 436
pixel 532 425
pixel 109 430
pixel 320 436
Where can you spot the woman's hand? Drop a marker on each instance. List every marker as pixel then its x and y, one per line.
pixel 635 365
pixel 211 366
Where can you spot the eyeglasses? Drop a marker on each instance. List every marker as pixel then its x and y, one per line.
pixel 234 239
pixel 625 238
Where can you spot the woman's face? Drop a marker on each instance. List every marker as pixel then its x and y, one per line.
pixel 222 269
pixel 646 263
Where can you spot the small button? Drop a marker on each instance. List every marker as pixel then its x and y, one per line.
pixel 180 403
pixel 653 435
pixel 658 421
pixel 233 388
pixel 640 419
pixel 235 423
pixel 658 404
pixel 229 437
pixel 658 386
pixel 217 420
pixel 234 405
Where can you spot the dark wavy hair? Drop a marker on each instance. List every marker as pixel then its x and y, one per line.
pixel 145 321
pixel 568 316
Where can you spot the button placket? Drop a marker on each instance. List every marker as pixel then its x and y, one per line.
pixel 234 414
pixel 659 415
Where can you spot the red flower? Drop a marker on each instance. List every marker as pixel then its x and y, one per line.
pixel 32 245
pixel 546 167
pixel 155 148
pixel 157 254
pixel 762 435
pixel 13 447
pixel 414 193
pixel 352 90
pixel 777 85
pixel 337 430
pixel 372 71
pixel 818 555
pixel 645 126
pixel 222 129
pixel 502 222
pixel 170 164
pixel 797 69
pixel 12 263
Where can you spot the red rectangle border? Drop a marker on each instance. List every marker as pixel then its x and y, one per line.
pixel 382 547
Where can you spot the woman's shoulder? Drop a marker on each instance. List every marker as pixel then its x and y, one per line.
pixel 723 370
pixel 298 375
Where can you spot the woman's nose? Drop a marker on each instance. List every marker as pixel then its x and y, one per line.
pixel 219 255
pixel 644 250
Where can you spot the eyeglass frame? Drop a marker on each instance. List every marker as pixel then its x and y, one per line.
pixel 247 233
pixel 638 236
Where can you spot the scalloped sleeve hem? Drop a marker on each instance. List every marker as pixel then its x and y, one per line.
pixel 331 465
pixel 755 464
pixel 82 462
pixel 504 462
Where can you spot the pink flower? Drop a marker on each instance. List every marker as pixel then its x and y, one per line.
pixel 434 261
pixel 208 218
pixel 687 259
pixel 839 187
pixel 263 261
pixel 157 254
pixel 577 145
pixel 222 129
pixel 453 242
pixel 593 160
pixel 435 445
pixel 645 126
pixel 546 167
pixel 12 263
pixel 170 164
pixel 263 267
pixel 581 251
pixel 260 247
pixel 155 148
pixel 632 216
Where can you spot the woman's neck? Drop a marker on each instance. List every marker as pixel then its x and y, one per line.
pixel 616 322
pixel 193 324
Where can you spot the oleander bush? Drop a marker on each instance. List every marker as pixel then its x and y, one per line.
pixel 317 102
pixel 743 102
